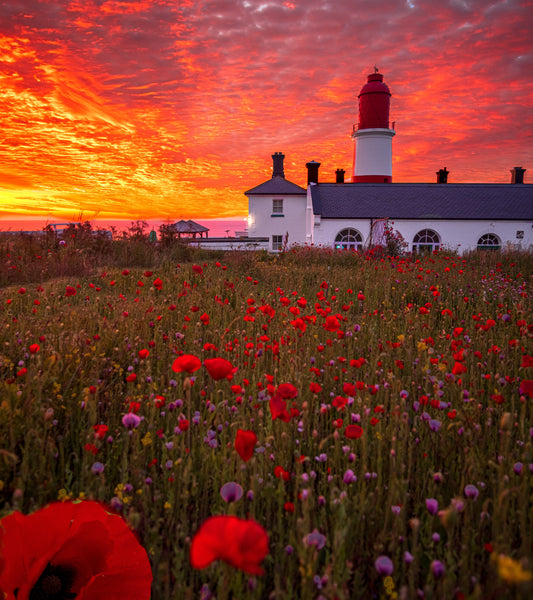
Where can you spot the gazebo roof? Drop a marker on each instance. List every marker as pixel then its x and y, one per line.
pixel 189 227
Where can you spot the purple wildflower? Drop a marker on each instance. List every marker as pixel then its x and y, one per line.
pixel 131 420
pixel 432 505
pixel 97 468
pixel 471 492
pixel 384 566
pixel 231 492
pixel 437 569
pixel 315 538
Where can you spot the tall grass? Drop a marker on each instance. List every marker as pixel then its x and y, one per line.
pixel 387 362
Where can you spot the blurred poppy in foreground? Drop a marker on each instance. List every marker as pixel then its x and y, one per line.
pixel 72 550
pixel 241 543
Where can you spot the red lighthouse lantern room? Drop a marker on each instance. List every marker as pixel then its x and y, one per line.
pixel 374 103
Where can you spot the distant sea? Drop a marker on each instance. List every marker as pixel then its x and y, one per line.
pixel 217 227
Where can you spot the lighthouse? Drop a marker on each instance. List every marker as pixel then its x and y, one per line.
pixel 373 137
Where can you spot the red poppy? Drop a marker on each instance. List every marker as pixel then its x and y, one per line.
pixel 70 291
pixel 527 361
pixel 158 284
pixel 241 543
pixel 77 547
pixel 219 368
pixel 353 432
pixel 197 269
pixel 458 368
pixel 186 362
pixel 34 348
pixel 144 353
pixel 349 388
pixel 332 323
pixel 278 408
pixel 100 431
pixel 339 402
pixel 287 391
pixel 289 507
pixel 526 387
pixel 281 473
pixel 244 443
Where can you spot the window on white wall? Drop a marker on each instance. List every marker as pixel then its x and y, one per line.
pixel 277 242
pixel 277 206
pixel 489 241
pixel 426 240
pixel 349 239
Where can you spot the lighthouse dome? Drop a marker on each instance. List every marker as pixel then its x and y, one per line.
pixel 374 103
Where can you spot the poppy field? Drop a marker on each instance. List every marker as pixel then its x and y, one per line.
pixel 307 425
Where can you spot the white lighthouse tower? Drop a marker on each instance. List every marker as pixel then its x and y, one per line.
pixel 373 136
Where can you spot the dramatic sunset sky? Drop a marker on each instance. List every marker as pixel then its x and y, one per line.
pixel 170 109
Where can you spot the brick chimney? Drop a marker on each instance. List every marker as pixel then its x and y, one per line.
pixel 442 175
pixel 517 175
pixel 277 170
pixel 312 171
pixel 339 175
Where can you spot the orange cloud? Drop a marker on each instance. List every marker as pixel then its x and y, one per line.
pixel 159 109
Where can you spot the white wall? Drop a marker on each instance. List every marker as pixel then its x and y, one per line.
pixel 262 223
pixel 373 152
pixel 455 235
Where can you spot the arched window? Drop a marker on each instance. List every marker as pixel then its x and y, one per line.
pixel 349 239
pixel 489 241
pixel 426 240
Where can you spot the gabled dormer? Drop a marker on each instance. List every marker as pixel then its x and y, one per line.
pixel 277 208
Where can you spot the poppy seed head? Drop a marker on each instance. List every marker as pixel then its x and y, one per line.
pixel 55 583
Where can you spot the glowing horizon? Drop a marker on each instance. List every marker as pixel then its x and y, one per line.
pixel 160 109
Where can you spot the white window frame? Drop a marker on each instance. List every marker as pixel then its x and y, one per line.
pixel 489 241
pixel 426 240
pixel 277 206
pixel 277 243
pixel 348 239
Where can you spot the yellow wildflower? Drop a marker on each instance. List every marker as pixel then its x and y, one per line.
pixel 511 571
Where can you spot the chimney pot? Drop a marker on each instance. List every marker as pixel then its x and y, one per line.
pixel 277 169
pixel 340 175
pixel 442 175
pixel 517 175
pixel 312 171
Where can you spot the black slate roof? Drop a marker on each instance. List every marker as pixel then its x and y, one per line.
pixel 479 201
pixel 277 185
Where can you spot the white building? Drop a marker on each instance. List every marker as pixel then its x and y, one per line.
pixel 363 211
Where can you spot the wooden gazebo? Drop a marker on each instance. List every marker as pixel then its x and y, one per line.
pixel 190 229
